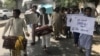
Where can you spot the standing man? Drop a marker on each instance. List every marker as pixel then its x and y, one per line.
pixel 56 23
pixel 63 19
pixel 32 18
pixel 76 34
pixel 68 32
pixel 85 40
pixel 17 25
pixel 45 21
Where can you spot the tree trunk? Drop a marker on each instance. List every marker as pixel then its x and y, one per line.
pixel 1 4
pixel 98 7
pixel 16 4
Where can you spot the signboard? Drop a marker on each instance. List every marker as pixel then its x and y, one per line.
pixel 83 24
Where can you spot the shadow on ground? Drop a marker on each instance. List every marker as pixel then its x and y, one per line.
pixel 64 47
pixel 96 40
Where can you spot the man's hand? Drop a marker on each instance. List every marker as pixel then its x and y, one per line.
pixel 27 34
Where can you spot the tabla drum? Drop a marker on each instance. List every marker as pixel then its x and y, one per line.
pixel 43 30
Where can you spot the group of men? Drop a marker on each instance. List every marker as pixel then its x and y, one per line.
pixel 57 20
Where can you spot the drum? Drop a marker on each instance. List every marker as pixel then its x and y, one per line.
pixel 43 30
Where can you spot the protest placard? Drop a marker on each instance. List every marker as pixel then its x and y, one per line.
pixel 69 18
pixel 83 24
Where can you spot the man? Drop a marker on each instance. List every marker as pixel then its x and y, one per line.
pixel 16 25
pixel 85 41
pixel 76 34
pixel 63 20
pixel 32 18
pixel 56 22
pixel 45 21
pixel 68 32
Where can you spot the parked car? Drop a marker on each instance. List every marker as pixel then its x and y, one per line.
pixel 5 13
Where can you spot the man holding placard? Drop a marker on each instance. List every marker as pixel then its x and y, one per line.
pixel 76 34
pixel 84 24
pixel 85 39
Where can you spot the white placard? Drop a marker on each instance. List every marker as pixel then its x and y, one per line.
pixel 83 24
pixel 69 18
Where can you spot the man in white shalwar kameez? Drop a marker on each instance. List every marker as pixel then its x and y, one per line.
pixel 44 20
pixel 32 18
pixel 17 27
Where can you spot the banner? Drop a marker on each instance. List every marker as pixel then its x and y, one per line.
pixel 83 24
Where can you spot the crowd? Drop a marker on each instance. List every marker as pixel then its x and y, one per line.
pixel 57 21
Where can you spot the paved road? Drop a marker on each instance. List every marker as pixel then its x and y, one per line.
pixel 3 22
pixel 64 47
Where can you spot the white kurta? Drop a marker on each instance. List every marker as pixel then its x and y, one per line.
pixel 17 27
pixel 46 38
pixel 85 41
pixel 31 17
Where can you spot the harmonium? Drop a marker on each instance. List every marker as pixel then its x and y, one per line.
pixel 43 30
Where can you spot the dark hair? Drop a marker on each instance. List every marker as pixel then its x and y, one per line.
pixel 62 9
pixel 82 9
pixel 88 9
pixel 76 10
pixel 68 10
pixel 34 6
pixel 43 9
pixel 17 11
pixel 57 9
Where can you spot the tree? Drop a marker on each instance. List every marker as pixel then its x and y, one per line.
pixel 0 4
pixel 10 4
pixel 68 3
pixel 16 3
pixel 13 4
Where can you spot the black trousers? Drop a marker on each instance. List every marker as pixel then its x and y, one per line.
pixel 68 32
pixel 76 37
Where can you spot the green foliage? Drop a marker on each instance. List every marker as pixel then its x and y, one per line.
pixel 68 3
pixel 96 2
pixel 10 4
pixel 0 4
